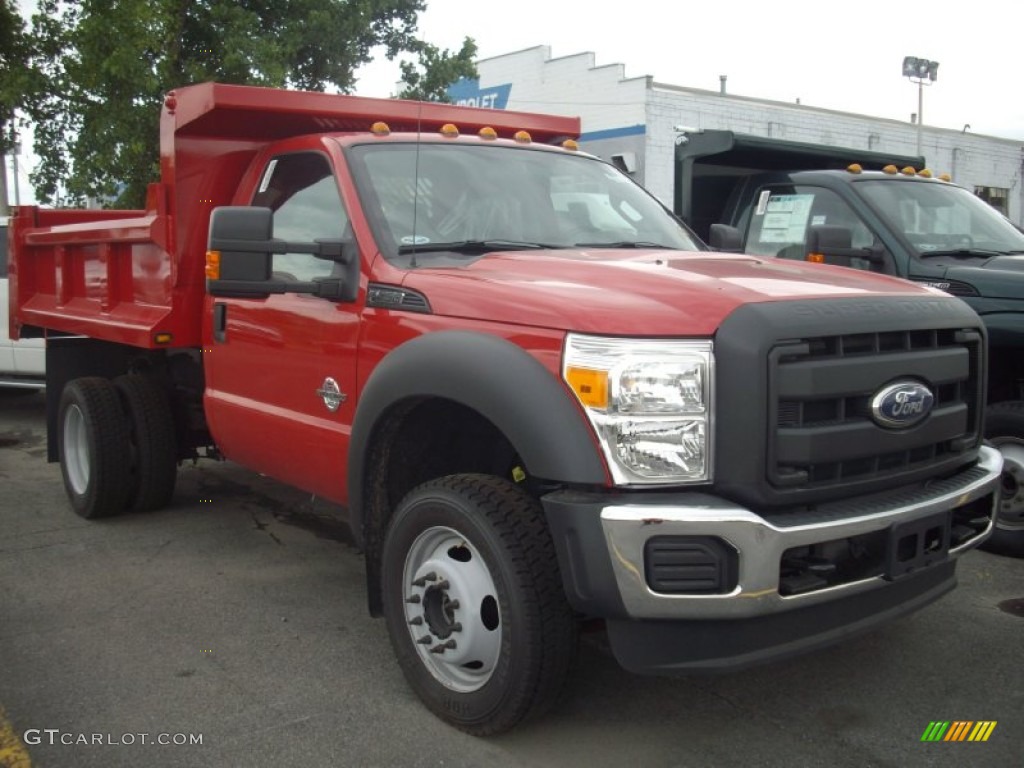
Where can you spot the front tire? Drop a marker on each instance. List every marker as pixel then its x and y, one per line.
pixel 474 604
pixel 1004 428
pixel 93 446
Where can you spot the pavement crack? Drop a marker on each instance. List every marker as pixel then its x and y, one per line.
pixel 265 527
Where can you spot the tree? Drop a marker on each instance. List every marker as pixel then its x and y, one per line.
pixel 437 70
pixel 110 64
pixel 15 82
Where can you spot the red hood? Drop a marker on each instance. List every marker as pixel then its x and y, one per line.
pixel 631 292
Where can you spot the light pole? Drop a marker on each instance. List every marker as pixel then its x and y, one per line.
pixel 920 70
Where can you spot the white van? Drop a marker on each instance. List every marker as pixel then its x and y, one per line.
pixel 22 363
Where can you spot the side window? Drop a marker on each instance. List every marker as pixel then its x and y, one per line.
pixel 301 191
pixel 782 215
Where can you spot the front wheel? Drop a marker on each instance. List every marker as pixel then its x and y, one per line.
pixel 1004 429
pixel 474 604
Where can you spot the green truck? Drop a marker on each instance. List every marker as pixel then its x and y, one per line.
pixel 881 213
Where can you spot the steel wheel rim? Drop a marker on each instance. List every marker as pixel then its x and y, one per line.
pixel 451 609
pixel 76 450
pixel 1011 502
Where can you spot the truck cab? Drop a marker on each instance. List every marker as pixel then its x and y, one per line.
pixel 880 213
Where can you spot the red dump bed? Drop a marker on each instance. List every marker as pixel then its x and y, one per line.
pixel 137 277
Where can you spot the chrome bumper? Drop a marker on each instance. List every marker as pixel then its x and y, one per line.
pixel 761 542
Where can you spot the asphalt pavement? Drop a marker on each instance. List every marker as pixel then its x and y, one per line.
pixel 231 630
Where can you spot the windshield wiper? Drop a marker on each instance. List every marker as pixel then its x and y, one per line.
pixel 624 244
pixel 472 246
pixel 965 252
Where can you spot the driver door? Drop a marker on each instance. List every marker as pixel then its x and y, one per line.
pixel 281 369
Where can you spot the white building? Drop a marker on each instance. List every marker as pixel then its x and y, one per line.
pixel 636 117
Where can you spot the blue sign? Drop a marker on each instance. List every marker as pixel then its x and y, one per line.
pixel 468 93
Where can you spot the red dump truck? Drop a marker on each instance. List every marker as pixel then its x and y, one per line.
pixel 538 396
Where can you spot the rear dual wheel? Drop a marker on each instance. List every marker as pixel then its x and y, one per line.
pixel 116 445
pixel 474 602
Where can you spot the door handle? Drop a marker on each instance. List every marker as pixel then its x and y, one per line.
pixel 220 322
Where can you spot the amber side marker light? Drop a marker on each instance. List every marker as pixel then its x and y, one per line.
pixel 522 137
pixel 590 386
pixel 945 177
pixel 890 169
pixel 213 265
pixel 925 173
pixel 816 258
pixel 488 133
pixel 909 171
pixel 163 339
pixel 449 131
pixel 854 168
pixel 570 144
pixel 380 128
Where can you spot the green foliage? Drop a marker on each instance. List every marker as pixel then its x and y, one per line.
pixel 16 79
pixel 436 71
pixel 108 64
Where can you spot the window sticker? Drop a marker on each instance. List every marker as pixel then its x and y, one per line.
pixel 762 202
pixel 415 240
pixel 785 219
pixel 817 221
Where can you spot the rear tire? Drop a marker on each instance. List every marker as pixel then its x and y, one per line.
pixel 93 446
pixel 474 604
pixel 154 454
pixel 1004 428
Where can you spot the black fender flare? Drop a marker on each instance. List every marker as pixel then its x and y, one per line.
pixel 494 377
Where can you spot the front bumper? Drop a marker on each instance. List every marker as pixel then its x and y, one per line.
pixel 601 542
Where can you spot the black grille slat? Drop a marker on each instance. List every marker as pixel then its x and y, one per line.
pixel 821 392
pixel 849 374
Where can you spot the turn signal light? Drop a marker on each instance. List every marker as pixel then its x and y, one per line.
pixel 816 258
pixel 213 265
pixel 589 385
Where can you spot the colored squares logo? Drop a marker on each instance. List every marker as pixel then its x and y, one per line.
pixel 959 730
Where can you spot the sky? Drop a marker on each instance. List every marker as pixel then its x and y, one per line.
pixel 844 56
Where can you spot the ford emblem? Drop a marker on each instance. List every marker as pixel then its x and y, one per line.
pixel 902 404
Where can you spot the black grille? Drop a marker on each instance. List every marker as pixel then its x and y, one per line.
pixel 821 388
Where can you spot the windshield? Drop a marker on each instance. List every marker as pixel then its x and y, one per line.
pixel 423 198
pixel 939 219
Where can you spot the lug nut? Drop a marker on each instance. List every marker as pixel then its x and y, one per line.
pixel 412 599
pixel 416 621
pixel 424 579
pixel 442 647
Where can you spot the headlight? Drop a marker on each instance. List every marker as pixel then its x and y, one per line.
pixel 649 402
